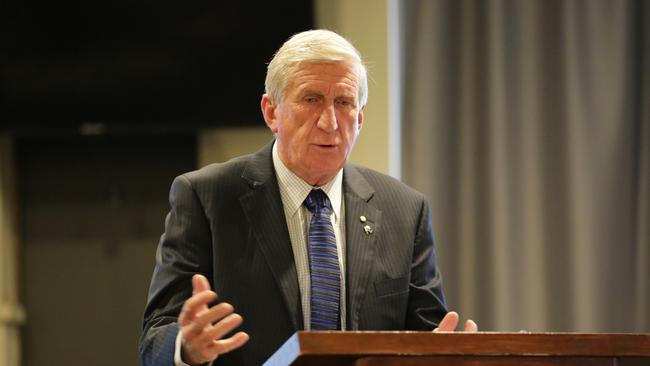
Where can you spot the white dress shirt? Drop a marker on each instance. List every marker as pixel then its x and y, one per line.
pixel 294 191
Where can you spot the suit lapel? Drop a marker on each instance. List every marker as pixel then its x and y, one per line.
pixel 360 240
pixel 263 208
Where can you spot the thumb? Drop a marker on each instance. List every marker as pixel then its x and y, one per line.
pixel 448 323
pixel 199 284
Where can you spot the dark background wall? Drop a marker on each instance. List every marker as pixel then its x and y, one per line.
pixel 92 212
pixel 132 64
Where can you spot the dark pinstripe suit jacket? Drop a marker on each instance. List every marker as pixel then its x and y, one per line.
pixel 227 222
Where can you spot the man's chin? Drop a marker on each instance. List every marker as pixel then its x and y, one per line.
pixel 320 174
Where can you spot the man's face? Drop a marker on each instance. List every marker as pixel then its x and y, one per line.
pixel 318 121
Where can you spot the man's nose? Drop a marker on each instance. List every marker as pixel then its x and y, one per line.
pixel 327 119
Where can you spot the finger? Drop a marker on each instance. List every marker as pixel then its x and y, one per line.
pixel 448 323
pixel 193 305
pixel 199 284
pixel 209 344
pixel 203 322
pixel 223 327
pixel 229 344
pixel 470 326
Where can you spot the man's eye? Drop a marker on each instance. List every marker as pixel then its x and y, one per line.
pixel 311 99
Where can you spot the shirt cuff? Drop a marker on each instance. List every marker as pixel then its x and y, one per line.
pixel 177 352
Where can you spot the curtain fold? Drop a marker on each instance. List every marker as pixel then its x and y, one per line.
pixel 526 125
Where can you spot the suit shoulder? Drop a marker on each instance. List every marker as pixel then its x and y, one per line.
pixel 218 175
pixel 385 183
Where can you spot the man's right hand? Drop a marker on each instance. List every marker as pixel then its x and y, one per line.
pixel 202 327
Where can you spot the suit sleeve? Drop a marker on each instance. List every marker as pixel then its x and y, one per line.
pixel 426 304
pixel 184 250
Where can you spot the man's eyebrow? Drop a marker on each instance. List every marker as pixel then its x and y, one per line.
pixel 345 94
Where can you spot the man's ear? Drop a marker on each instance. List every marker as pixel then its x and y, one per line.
pixel 360 118
pixel 268 111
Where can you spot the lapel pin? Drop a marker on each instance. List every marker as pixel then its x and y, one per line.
pixel 362 219
pixel 368 229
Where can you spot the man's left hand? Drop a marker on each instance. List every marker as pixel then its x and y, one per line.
pixel 450 321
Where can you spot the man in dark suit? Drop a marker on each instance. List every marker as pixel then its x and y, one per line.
pixel 292 237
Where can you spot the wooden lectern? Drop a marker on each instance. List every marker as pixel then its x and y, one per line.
pixel 462 349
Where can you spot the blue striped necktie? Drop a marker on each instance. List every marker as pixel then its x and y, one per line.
pixel 324 264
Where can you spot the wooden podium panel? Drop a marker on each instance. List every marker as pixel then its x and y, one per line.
pixel 462 349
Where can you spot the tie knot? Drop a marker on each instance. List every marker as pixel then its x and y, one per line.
pixel 317 200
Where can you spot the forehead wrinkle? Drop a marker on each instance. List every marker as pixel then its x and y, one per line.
pixel 336 90
pixel 314 74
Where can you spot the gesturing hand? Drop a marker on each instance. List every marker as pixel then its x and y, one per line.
pixel 203 327
pixel 450 321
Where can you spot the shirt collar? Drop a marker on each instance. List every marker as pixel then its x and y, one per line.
pixel 294 190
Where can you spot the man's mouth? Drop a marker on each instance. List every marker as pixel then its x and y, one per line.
pixel 325 145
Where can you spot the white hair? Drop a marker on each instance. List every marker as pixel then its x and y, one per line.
pixel 312 46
